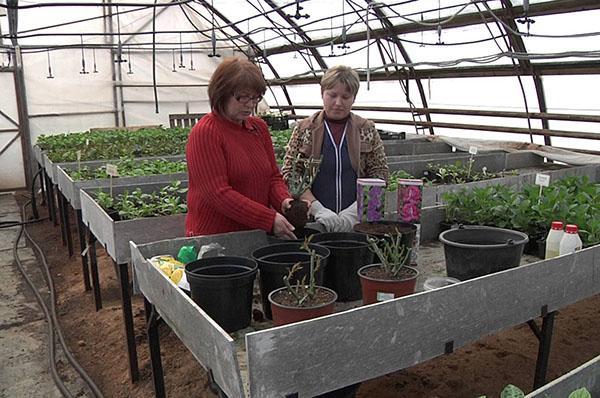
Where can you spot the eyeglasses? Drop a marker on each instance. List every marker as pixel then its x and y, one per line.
pixel 244 99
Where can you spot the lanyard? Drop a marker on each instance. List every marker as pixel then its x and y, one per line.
pixel 338 166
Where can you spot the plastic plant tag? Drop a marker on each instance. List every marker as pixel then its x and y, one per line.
pixel 370 199
pixel 543 180
pixel 112 170
pixel 410 200
pixel 382 296
pixel 473 150
pixel 78 154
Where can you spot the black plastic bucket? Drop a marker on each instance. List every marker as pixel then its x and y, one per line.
pixel 274 262
pixel 473 251
pixel 349 252
pixel 222 287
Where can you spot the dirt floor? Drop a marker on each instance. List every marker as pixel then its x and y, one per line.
pixel 484 367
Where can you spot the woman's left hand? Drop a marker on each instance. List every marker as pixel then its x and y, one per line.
pixel 282 228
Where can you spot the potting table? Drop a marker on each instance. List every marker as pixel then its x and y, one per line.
pixel 319 355
pixel 70 191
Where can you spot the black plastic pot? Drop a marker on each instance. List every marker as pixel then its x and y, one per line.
pixel 301 235
pixel 536 245
pixel 408 231
pixel 349 252
pixel 222 287
pixel 274 262
pixel 473 251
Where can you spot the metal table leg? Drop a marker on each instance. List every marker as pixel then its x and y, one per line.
pixel 154 345
pixel 545 338
pixel 68 232
pixel 82 245
pixel 91 253
pixel 134 373
pixel 61 217
pixel 50 195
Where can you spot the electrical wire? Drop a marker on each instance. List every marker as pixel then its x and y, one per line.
pixel 51 317
pixel 518 74
pixel 516 32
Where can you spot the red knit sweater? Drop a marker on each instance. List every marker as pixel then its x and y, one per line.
pixel 234 181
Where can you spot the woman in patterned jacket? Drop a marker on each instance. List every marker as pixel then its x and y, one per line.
pixel 350 147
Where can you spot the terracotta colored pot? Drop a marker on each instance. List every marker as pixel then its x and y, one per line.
pixel 376 290
pixel 283 314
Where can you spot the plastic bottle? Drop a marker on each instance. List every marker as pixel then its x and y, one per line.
pixel 570 241
pixel 553 239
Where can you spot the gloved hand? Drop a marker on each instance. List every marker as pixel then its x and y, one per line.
pixel 349 217
pixel 324 216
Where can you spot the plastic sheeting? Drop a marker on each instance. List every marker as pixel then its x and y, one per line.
pixel 551 153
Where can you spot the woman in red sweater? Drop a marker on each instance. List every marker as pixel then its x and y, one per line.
pixel 234 181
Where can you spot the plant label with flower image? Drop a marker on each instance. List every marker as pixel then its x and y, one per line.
pixel 410 199
pixel 370 199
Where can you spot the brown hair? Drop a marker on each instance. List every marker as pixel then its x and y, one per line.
pixel 234 75
pixel 341 74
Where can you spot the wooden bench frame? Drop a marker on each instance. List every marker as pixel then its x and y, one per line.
pixel 184 119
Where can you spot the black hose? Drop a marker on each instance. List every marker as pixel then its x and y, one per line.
pixel 51 317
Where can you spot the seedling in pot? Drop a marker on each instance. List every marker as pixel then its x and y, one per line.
pixel 304 291
pixel 391 252
pixel 301 178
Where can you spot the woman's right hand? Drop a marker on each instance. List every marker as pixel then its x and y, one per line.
pixel 282 227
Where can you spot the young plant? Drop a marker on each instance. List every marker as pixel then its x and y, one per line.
pixel 301 178
pixel 304 291
pixel 391 252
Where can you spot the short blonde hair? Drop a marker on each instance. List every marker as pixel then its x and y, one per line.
pixel 341 74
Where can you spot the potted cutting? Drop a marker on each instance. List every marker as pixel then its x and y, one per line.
pixel 391 277
pixel 304 300
pixel 301 178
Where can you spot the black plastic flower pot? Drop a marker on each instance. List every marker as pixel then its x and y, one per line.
pixel 222 287
pixel 473 251
pixel 274 262
pixel 300 234
pixel 380 229
pixel 349 252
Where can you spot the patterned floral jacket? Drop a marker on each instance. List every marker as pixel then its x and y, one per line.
pixel 365 147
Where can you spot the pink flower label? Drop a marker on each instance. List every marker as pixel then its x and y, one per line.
pixel 410 195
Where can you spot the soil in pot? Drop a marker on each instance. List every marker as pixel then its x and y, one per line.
pixel 114 214
pixel 285 309
pixel 222 287
pixel 297 214
pixel 473 251
pixel 349 252
pixel 378 285
pixel 274 262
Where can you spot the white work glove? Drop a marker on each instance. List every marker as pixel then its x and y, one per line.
pixel 324 216
pixel 349 217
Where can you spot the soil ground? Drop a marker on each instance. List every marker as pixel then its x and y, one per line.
pixel 484 367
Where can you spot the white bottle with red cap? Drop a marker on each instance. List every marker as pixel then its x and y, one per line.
pixel 570 242
pixel 553 239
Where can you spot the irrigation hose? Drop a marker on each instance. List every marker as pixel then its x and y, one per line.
pixel 51 317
